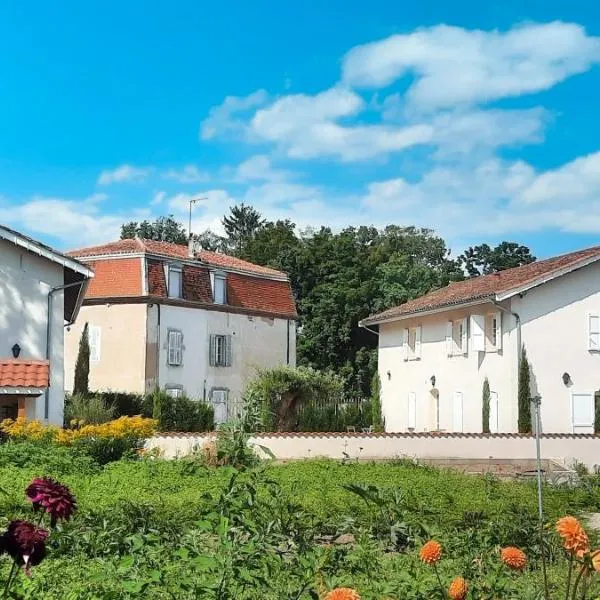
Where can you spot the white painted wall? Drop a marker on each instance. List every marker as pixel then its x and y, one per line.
pixel 257 342
pixel 564 450
pixel 25 281
pixel 464 374
pixel 122 347
pixel 554 329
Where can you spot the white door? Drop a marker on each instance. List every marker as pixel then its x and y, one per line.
pixel 582 412
pixel 494 427
pixel 412 410
pixel 457 412
pixel 219 404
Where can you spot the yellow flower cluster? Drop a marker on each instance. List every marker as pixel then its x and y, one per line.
pixel 123 427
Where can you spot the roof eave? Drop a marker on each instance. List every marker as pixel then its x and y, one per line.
pixel 371 321
pixel 546 278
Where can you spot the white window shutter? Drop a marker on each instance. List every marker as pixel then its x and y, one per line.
pixel 499 330
pixel 418 334
pixel 94 335
pixel 449 339
pixel 405 343
pixel 478 333
pixel 464 339
pixel 593 331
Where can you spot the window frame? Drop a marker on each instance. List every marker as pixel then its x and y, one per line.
pixel 96 345
pixel 177 349
pixel 175 268
pixel 219 281
pixel 220 350
pixel 169 388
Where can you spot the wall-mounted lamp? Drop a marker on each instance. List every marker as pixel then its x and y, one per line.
pixel 432 379
pixel 567 379
pixel 16 350
pixel 389 374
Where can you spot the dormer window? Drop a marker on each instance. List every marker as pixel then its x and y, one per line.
pixel 174 281
pixel 219 287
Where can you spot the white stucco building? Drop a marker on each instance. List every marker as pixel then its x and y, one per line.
pixel 193 323
pixel 436 351
pixel 41 290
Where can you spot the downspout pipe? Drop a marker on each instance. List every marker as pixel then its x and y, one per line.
pixel 54 290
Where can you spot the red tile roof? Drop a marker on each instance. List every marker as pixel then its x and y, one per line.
pixel 250 287
pixel 24 373
pixel 489 286
pixel 135 246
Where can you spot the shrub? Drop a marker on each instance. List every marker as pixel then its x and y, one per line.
pixel 181 414
pixel 82 365
pixel 23 430
pixel 284 392
pixel 85 410
pixel 485 406
pixel 103 450
pixel 524 394
pixel 128 405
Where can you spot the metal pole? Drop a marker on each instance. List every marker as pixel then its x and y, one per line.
pixel 193 201
pixel 537 401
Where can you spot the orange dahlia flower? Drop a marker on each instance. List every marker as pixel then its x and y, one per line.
pixel 574 537
pixel 513 557
pixel 458 589
pixel 343 594
pixel 431 552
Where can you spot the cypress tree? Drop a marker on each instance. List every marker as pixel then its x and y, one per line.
pixel 486 406
pixel 378 425
pixel 81 384
pixel 524 394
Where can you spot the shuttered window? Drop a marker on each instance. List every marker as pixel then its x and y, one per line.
pixel 594 331
pixel 175 347
pixel 478 333
pixel 94 339
pixel 220 351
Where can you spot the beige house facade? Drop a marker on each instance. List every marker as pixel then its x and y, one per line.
pixel 436 352
pixel 198 324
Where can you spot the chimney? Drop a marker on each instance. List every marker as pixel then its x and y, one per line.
pixel 194 246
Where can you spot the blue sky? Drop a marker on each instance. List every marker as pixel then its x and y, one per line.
pixel 477 119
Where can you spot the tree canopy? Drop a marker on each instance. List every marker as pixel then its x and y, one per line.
pixel 163 229
pixel 482 259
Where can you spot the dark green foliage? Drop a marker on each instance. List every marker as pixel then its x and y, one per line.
pixel 106 450
pixel 597 412
pixel 482 259
pixel 524 394
pixel 377 420
pixel 88 410
pixel 126 404
pixel 82 365
pixel 334 417
pixel 485 404
pixel 163 229
pixel 241 225
pixel 181 414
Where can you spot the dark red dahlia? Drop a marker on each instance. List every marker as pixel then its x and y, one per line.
pixel 25 542
pixel 52 497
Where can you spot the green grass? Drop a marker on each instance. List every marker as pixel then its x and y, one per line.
pixel 175 529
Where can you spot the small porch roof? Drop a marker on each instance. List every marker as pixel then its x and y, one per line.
pixel 24 377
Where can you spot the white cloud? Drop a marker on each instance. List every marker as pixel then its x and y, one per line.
pixel 454 66
pixel 122 174
pixel 260 168
pixel 73 222
pixel 187 174
pixel 225 118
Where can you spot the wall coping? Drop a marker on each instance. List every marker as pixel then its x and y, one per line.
pixel 403 435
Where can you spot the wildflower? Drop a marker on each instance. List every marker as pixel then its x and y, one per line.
pixel 25 543
pixel 52 497
pixel 596 560
pixel 431 552
pixel 458 589
pixel 513 557
pixel 575 539
pixel 343 594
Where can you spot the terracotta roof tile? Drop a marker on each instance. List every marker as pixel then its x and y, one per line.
pixel 249 286
pixel 133 246
pixel 260 294
pixel 24 373
pixel 488 286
